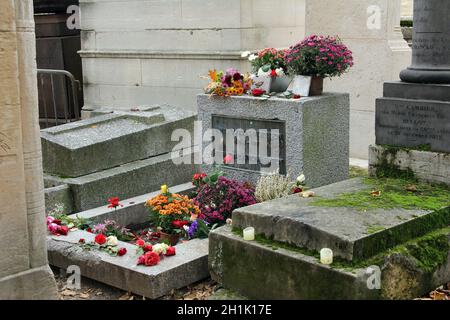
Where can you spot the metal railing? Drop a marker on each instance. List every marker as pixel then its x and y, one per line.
pixel 58 97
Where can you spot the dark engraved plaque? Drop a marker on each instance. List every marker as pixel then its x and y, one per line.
pixel 413 123
pixel 252 142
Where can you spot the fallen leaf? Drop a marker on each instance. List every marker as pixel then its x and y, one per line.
pixel 84 296
pixel 99 293
pixel 69 293
pixel 308 194
pixel 411 188
pixel 93 126
pixel 376 193
pixel 436 295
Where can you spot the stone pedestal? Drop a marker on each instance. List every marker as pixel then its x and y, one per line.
pixel 431 43
pixel 24 270
pixel 312 136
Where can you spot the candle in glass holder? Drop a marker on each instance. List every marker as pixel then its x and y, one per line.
pixel 326 256
pixel 249 234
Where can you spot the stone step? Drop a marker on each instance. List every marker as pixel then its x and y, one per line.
pixel 351 233
pixel 264 270
pixel 110 140
pixel 126 181
pixel 260 272
pixel 189 265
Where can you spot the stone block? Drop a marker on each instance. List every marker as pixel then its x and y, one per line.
pixel 242 266
pixel 314 133
pixel 260 272
pixel 411 115
pixel 427 166
pixel 58 195
pixel 347 231
pixel 110 140
pixel 126 181
pixel 189 265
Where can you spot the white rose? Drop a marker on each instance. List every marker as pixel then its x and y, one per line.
pixel 112 241
pixel 280 72
pixel 160 248
pixel 301 178
pixel 245 54
pixel 252 57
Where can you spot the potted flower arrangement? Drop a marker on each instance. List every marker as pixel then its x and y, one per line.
pixel 170 212
pixel 318 57
pixel 230 83
pixel 270 63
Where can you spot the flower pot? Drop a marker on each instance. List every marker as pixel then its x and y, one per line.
pixel 171 238
pixel 316 88
pixel 280 84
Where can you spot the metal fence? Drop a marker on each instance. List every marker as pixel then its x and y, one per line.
pixel 58 97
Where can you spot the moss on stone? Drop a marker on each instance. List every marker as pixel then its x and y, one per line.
pixel 393 194
pixel 356 172
pixel 429 251
pixel 374 229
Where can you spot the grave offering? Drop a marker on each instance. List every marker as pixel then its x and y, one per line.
pixel 123 154
pixel 109 253
pixel 291 136
pixel 413 117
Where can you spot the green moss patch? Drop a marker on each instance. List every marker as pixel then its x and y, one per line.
pixel 389 193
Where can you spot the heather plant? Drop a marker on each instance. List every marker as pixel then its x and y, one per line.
pixel 319 56
pixel 218 200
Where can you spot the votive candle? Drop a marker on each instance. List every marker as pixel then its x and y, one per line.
pixel 249 234
pixel 326 256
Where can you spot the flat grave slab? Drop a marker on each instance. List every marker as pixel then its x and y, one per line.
pixel 189 265
pixel 110 140
pixel 349 232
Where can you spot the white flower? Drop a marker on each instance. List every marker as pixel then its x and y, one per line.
pixel 160 248
pixel 252 57
pixel 301 178
pixel 112 241
pixel 280 72
pixel 245 54
pixel 186 228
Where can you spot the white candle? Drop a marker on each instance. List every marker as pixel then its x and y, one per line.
pixel 249 234
pixel 326 256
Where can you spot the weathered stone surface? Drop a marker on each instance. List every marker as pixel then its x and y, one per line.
pixel 427 166
pixel 126 181
pixel 33 284
pixel 346 231
pixel 411 115
pixel 110 140
pixel 59 195
pixel 132 211
pixel 189 265
pixel 242 266
pixel 260 272
pixel 431 53
pixel 315 132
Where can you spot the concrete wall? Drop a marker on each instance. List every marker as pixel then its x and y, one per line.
pixel 407 9
pixel 143 52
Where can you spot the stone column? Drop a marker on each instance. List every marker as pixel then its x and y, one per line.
pixel 24 270
pixel 431 43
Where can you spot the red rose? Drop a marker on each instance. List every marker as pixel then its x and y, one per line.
pixel 296 96
pixel 258 92
pixel 141 260
pixel 57 221
pixel 170 251
pixel 89 230
pixel 273 73
pixel 148 248
pixel 297 190
pixel 140 243
pixel 179 224
pixel 100 238
pixel 81 240
pixel 151 258
pixel 196 176
pixel 121 252
pixel 63 230
pixel 113 202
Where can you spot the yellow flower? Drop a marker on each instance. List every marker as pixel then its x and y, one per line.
pixel 164 189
